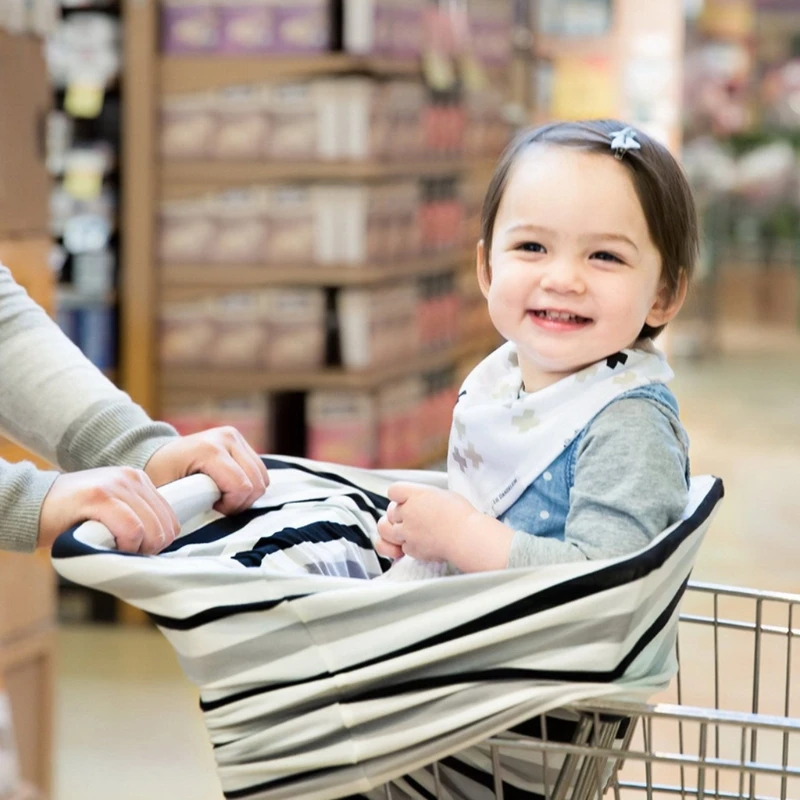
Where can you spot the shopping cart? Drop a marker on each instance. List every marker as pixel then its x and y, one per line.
pixel 729 727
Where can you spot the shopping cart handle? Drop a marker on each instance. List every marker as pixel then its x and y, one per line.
pixel 191 496
pixel 188 497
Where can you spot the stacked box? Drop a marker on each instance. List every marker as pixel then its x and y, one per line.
pixel 377 327
pixel 341 427
pixel 245 26
pixel 282 329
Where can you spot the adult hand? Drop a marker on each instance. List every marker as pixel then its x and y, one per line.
pixel 122 498
pixel 223 455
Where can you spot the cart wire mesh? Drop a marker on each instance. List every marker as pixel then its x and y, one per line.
pixel 727 728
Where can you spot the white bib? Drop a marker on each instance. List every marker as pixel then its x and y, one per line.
pixel 502 439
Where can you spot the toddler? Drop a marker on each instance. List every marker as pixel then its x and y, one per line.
pixel 566 443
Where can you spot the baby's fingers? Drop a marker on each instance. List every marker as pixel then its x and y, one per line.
pixel 391 541
pixel 384 548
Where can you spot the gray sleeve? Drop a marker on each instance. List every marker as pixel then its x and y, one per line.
pixel 54 402
pixel 630 485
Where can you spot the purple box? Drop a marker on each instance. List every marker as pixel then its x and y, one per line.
pixel 189 27
pixel 383 16
pixel 301 26
pixel 406 31
pixel 246 28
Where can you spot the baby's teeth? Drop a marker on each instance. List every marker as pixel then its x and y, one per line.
pixel 559 315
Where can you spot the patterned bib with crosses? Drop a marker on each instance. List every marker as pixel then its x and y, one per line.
pixel 502 438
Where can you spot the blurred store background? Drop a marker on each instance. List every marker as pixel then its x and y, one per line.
pixel 264 213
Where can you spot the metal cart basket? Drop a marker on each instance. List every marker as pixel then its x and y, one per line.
pixel 728 727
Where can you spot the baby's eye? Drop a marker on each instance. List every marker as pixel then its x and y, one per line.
pixel 531 247
pixel 604 255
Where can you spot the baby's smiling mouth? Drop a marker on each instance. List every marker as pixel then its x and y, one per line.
pixel 559 316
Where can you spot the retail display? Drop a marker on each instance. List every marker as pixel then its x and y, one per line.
pixel 404 422
pixel 84 58
pixel 251 26
pixel 310 223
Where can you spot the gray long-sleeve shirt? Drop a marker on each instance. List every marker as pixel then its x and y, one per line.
pixel 54 402
pixel 630 485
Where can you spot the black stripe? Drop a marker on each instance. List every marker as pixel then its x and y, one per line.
pixel 419 788
pixel 219 612
pixel 516 673
pixel 288 780
pixel 316 532
pixel 488 675
pixel 225 526
pixel 67 546
pixel 378 500
pixel 636 567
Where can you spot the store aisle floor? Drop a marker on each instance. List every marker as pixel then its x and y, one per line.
pixel 128 726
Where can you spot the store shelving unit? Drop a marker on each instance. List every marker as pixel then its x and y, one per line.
pixel 185 281
pixel 146 284
pixel 213 174
pixel 230 381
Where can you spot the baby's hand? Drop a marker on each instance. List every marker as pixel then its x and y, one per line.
pixel 122 498
pixel 423 522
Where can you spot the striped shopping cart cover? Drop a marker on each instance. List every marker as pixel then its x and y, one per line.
pixel 322 675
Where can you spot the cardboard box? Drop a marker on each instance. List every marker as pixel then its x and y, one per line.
pixel 26 99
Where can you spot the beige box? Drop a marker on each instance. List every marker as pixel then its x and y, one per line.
pixel 189 126
pixel 377 326
pixel 187 231
pixel 292 226
pixel 187 333
pixel 304 121
pixel 341 427
pixel 364 118
pixel 405 103
pixel 243 123
pixel 241 226
pixel 295 329
pixel 239 331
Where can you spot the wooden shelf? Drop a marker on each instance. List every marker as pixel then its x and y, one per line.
pixel 186 281
pixel 213 174
pixel 224 382
pixel 586 46
pixel 200 73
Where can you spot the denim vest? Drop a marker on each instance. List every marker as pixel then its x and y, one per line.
pixel 542 508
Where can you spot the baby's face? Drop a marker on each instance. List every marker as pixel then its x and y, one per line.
pixel 574 273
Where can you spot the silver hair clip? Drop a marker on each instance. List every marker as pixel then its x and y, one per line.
pixel 623 141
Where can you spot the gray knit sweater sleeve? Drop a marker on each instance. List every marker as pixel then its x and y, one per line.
pixel 630 485
pixel 54 402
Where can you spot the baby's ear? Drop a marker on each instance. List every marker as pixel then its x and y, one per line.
pixel 484 270
pixel 667 304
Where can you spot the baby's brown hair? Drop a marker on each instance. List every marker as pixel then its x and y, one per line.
pixel 658 180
